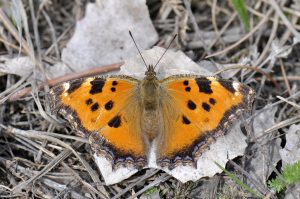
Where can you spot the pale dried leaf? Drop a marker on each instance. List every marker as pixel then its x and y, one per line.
pixel 265 151
pixel 173 62
pixel 291 151
pixel 21 66
pixel 102 38
pixel 292 192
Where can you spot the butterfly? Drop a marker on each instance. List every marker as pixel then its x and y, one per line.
pixel 130 122
pixel 180 115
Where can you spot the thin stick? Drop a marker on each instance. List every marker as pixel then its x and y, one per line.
pixel 165 50
pixel 138 49
pixel 244 38
pixel 67 77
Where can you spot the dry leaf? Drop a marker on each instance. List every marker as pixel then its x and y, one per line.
pixel 291 151
pixel 102 38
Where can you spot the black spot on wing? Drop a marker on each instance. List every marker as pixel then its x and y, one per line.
pixel 109 105
pixel 204 85
pixel 115 122
pixel 185 82
pixel 114 83
pixel 95 107
pixel 212 101
pixel 185 120
pixel 188 89
pixel 191 105
pixel 89 101
pixel 74 85
pixel 206 106
pixel 97 85
pixel 228 85
pixel 113 89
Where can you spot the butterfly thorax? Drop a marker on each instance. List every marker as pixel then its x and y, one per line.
pixel 150 102
pixel 149 90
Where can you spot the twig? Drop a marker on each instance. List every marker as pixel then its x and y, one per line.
pixel 219 34
pixel 54 39
pixel 162 178
pixel 290 78
pixel 256 183
pixel 270 40
pixel 11 45
pixel 187 5
pixel 141 179
pixel 291 103
pixel 284 19
pixel 253 68
pixel 259 14
pixel 243 38
pixel 277 126
pixel 284 76
pixel 55 81
pixel 10 27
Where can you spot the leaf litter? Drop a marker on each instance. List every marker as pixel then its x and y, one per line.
pixel 42 157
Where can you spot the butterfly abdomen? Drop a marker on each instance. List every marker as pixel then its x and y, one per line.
pixel 150 123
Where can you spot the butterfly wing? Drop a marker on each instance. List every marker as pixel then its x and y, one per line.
pixel 196 110
pixel 107 111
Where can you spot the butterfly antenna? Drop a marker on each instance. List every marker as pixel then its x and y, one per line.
pixel 165 51
pixel 138 49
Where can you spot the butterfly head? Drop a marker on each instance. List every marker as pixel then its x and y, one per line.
pixel 150 73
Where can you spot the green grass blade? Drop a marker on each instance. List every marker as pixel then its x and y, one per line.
pixel 240 7
pixel 239 182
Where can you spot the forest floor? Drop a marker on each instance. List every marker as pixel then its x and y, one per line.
pixel 45 43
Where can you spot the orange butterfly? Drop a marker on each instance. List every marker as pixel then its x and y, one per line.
pixel 177 117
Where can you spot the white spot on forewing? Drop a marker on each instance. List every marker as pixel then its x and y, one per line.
pixel 89 79
pixel 251 91
pixel 66 86
pixel 62 111
pixel 236 87
pixel 113 176
pixel 211 78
